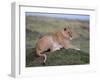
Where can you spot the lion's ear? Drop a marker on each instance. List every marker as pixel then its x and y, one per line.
pixel 65 29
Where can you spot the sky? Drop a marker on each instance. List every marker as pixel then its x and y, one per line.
pixel 58 15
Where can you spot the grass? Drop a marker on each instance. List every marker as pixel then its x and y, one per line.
pixel 60 57
pixel 37 26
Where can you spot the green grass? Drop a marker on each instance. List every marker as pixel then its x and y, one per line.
pixel 37 26
pixel 60 57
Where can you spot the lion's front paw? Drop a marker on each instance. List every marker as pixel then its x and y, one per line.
pixel 77 49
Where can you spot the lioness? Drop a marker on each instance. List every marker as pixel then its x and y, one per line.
pixel 60 39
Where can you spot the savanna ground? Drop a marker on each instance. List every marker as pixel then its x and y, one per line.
pixel 37 26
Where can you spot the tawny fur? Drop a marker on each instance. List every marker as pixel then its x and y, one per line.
pixel 60 39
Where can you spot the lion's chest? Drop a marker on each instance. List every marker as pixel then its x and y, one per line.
pixel 55 45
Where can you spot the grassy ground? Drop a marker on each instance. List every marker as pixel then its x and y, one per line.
pixel 60 57
pixel 37 26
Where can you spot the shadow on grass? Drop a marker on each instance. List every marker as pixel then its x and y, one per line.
pixel 60 57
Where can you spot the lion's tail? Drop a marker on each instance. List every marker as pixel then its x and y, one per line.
pixel 38 53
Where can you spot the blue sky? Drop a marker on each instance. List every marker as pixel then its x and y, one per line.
pixel 64 16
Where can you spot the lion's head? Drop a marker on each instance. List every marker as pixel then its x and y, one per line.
pixel 67 33
pixel 63 34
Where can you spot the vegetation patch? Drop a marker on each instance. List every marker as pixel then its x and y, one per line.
pixel 56 58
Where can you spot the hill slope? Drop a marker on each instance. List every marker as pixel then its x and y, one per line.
pixel 60 57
